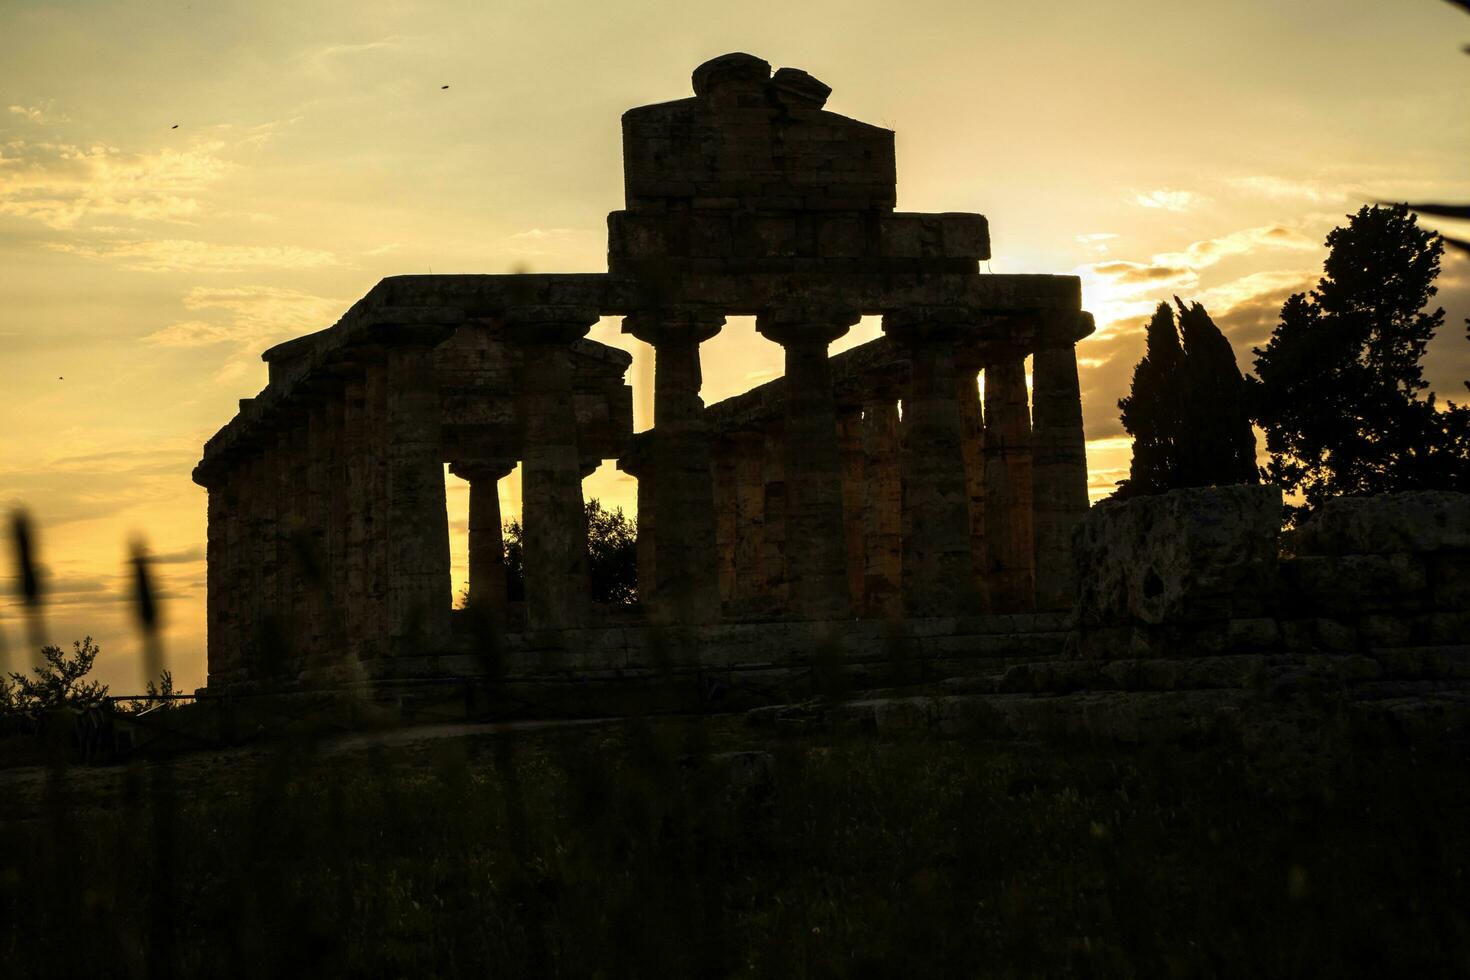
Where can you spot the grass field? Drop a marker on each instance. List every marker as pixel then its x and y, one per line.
pixel 703 847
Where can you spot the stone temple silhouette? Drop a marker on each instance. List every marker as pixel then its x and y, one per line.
pixel 866 503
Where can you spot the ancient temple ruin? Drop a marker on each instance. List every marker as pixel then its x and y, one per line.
pixel 861 502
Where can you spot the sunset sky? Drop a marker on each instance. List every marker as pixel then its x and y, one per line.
pixel 1152 147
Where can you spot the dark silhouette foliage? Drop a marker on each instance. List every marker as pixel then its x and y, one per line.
pixel 58 683
pixel 1337 388
pixel 1151 411
pixel 612 539
pixel 1186 409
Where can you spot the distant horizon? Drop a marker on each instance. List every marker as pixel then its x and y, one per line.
pixel 181 189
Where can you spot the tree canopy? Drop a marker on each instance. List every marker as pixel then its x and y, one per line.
pixel 1337 387
pixel 612 539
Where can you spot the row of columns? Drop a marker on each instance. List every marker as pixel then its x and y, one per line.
pixel 334 532
pixel 955 509
pixel 330 533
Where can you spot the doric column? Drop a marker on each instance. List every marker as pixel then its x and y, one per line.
pixel 688 588
pixel 336 521
pixel 1008 534
pixel 748 449
pixel 1059 459
pixel 854 498
pixel 221 588
pixel 883 508
pixel 487 548
pixel 418 518
pixel 773 491
pixel 553 522
pixel 291 533
pixel 359 463
pixel 263 552
pixel 727 518
pixel 312 547
pixel 635 463
pixel 377 557
pixel 972 436
pixel 937 572
pixel 816 553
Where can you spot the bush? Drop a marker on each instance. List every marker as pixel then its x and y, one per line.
pixel 57 684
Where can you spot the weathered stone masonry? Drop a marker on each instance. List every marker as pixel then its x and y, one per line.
pixel 871 486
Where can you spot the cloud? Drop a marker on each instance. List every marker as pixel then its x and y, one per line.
pixel 255 316
pixel 1096 241
pixel 32 113
pixel 87 487
pixel 1205 253
pixel 183 556
pixel 1286 189
pixel 1138 274
pixel 62 186
pixel 1119 290
pixel 559 242
pixel 329 60
pixel 175 255
pixel 1168 200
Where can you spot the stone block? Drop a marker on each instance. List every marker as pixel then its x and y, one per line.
pixel 1111 642
pixel 1344 584
pixel 1417 522
pixel 1317 634
pixel 1384 630
pixel 1180 557
pixel 1253 634
pixel 1440 628
pixel 1449 577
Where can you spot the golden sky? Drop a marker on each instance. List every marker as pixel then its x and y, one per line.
pixel 1153 147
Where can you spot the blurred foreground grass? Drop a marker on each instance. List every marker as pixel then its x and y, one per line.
pixel 648 849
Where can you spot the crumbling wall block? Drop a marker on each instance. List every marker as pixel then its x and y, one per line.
pixel 1414 522
pixel 1190 556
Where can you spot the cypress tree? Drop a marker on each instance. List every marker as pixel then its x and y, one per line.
pixel 1151 413
pixel 1216 444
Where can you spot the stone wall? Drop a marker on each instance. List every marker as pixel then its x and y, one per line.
pixel 1208 571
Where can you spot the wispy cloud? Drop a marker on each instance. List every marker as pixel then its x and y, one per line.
pixel 249 316
pixel 1169 200
pixel 34 114
pixel 1142 275
pixel 1287 189
pixel 563 243
pixel 94 486
pixel 174 255
pixel 1096 241
pixel 1119 292
pixel 330 60
pixel 1205 253
pixel 62 185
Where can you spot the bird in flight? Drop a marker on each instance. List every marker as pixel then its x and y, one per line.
pixel 442 87
pixel 174 126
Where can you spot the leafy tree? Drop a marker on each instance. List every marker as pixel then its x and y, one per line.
pixel 1187 409
pixel 57 683
pixel 1337 386
pixel 612 539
